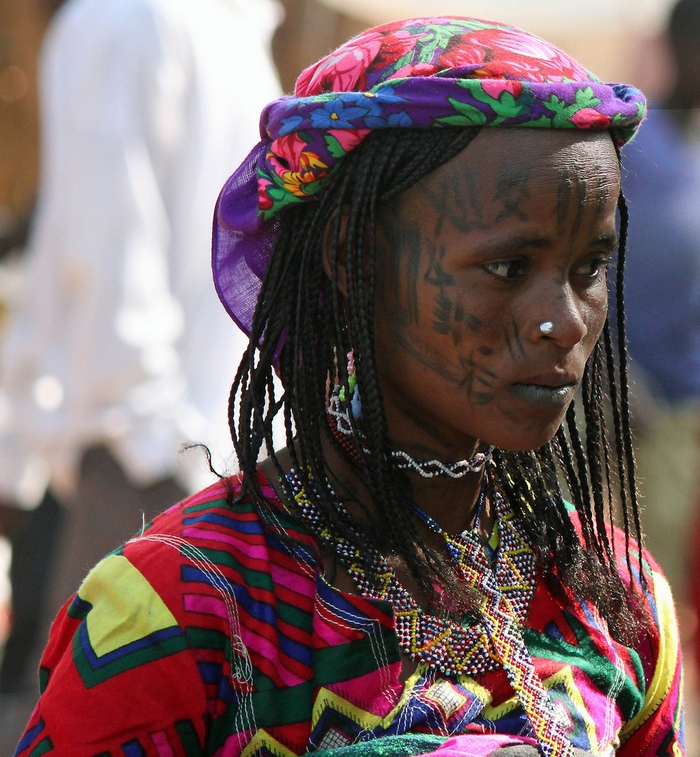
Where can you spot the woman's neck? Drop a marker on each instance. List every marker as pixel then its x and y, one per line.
pixel 450 502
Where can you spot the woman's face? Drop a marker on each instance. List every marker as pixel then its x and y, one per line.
pixel 514 231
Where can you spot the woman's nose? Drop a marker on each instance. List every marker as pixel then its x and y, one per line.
pixel 559 317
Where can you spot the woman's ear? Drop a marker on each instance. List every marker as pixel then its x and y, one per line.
pixel 334 250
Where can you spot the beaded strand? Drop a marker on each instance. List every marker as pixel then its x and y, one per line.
pixel 452 648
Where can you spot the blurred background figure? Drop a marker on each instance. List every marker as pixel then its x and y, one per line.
pixel 116 351
pixel 662 185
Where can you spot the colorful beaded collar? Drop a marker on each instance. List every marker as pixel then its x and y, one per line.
pixel 453 647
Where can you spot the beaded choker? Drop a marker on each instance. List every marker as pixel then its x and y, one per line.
pixel 342 430
pixel 505 588
pixel 434 468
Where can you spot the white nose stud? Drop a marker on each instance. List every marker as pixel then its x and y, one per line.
pixel 546 327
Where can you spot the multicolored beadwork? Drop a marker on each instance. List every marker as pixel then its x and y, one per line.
pixel 445 644
pixel 505 586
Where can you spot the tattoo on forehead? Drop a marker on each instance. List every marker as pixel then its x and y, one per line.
pixel 511 190
pixel 574 188
pixel 571 192
pixel 603 193
pixel 456 196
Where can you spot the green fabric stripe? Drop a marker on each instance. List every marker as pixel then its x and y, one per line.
pixel 331 665
pixel 256 579
pixel 188 738
pixel 207 638
pixel 44 746
pixel 295 616
pixel 403 745
pixel 290 613
pixel 44 674
pixel 347 661
pixel 208 505
pixel 589 660
pixel 280 707
pixel 76 611
pixel 273 708
pixel 92 677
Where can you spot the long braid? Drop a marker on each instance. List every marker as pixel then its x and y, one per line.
pixel 629 503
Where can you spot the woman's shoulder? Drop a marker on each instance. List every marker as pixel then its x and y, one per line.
pixel 222 530
pixel 224 505
pixel 638 569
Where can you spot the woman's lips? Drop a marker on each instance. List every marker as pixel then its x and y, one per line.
pixel 545 390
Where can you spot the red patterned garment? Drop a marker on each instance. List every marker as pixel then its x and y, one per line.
pixel 207 635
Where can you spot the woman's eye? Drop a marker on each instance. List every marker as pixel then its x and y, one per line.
pixel 506 269
pixel 593 267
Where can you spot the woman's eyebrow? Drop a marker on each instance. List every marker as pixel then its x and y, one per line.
pixel 505 245
pixel 607 240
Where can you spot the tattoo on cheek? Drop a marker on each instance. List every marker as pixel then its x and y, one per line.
pixel 412 255
pixel 452 319
pixel 426 355
pixel 478 380
pixel 471 376
pixel 435 274
pixel 404 243
pixel 511 334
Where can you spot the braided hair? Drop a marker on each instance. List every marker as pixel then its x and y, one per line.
pixel 303 324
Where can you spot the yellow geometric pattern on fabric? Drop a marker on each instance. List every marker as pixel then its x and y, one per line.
pixel 481 693
pixel 263 743
pixel 125 607
pixel 501 710
pixel 327 699
pixel 666 661
pixel 564 678
pixel 446 697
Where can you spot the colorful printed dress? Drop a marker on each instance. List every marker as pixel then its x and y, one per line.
pixel 206 635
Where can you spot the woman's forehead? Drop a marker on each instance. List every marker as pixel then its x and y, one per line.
pixel 500 158
pixel 522 178
pixel 513 148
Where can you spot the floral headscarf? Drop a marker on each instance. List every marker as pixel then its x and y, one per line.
pixel 422 72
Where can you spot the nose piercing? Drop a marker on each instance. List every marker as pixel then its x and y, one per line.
pixel 546 327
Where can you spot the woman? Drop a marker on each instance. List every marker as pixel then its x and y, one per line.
pixel 408 568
